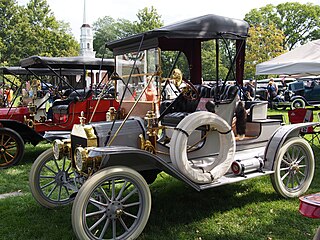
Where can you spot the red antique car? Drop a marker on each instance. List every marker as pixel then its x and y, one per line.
pixel 29 120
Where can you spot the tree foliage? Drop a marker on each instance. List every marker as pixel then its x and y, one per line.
pixel 108 29
pixel 148 19
pixel 32 30
pixel 300 23
pixel 263 44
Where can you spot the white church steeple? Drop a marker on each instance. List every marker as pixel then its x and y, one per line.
pixel 86 37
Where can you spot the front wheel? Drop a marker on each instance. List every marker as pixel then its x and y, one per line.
pixel 294 168
pixel 298 103
pixel 114 203
pixel 53 182
pixel 11 147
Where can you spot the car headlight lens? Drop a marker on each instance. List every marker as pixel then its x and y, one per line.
pixel 80 158
pixel 57 149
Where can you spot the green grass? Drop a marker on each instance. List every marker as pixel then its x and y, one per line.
pixel 249 210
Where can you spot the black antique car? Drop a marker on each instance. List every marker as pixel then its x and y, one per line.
pixel 303 92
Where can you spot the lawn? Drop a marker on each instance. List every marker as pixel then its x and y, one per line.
pixel 247 210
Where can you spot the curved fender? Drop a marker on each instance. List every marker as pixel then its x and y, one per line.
pixel 279 137
pixel 298 97
pixel 137 159
pixel 28 134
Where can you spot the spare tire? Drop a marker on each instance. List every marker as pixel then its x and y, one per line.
pixel 220 164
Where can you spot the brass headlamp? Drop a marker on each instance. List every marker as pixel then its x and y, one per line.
pixel 61 148
pixel 82 160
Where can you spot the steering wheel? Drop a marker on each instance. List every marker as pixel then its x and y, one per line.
pixel 189 92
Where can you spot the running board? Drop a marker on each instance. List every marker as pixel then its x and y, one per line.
pixel 231 178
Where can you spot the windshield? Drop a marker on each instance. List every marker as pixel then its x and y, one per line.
pixel 136 70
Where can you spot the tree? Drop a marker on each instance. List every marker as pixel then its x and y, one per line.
pixel 49 37
pixel 107 29
pixel 148 19
pixel 10 23
pixel 209 61
pixel 262 45
pixel 300 23
pixel 32 30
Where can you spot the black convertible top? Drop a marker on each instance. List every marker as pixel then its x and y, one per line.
pixel 78 62
pixel 39 71
pixel 202 28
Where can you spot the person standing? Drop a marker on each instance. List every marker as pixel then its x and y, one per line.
pixel 272 89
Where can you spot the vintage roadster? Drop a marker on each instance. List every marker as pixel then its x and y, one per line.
pixel 105 167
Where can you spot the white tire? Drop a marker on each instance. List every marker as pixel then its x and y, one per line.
pixel 52 182
pixel 115 203
pixel 298 103
pixel 178 148
pixel 294 168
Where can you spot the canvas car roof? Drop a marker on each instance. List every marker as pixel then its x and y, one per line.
pixel 78 62
pixel 16 70
pixel 202 28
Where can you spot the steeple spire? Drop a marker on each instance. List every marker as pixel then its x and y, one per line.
pixel 84 12
pixel 86 36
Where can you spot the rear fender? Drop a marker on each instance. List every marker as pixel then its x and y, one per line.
pixel 279 137
pixel 298 97
pixel 138 160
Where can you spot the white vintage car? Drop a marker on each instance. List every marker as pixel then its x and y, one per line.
pixel 105 167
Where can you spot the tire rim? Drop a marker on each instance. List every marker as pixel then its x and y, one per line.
pixel 294 168
pixel 114 209
pixel 57 181
pixel 8 149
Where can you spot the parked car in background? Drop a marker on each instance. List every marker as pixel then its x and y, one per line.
pixel 49 111
pixel 261 89
pixel 303 92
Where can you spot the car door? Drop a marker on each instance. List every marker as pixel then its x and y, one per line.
pixel 312 92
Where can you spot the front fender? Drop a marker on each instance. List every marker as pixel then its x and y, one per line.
pixel 28 134
pixel 279 137
pixel 138 160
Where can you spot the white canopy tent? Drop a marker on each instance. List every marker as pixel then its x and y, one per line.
pixel 303 60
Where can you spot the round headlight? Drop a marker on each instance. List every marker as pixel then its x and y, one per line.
pixel 57 149
pixel 80 156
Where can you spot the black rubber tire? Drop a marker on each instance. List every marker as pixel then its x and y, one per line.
pixel 11 148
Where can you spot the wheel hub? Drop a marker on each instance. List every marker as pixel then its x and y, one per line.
pixel 115 210
pixel 294 168
pixel 61 178
pixel 2 150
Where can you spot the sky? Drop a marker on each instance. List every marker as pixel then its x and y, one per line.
pixel 71 11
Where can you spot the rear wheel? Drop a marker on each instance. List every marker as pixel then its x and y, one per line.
pixel 114 203
pixel 11 147
pixel 298 103
pixel 294 168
